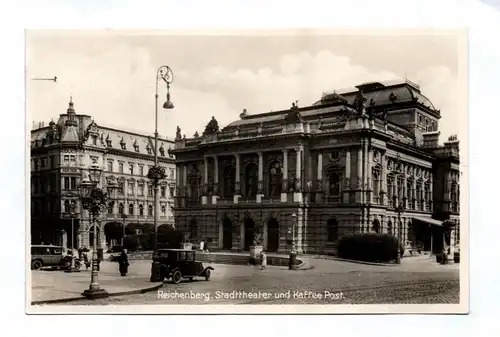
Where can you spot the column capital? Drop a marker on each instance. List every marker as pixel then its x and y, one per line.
pixel 260 153
pixel 285 151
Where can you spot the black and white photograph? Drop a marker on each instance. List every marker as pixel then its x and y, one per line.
pixel 247 171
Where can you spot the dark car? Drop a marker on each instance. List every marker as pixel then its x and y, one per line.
pixel 180 263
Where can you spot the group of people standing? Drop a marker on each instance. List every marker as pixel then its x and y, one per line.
pixel 122 261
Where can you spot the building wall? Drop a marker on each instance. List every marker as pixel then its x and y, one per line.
pixel 58 163
pixel 342 172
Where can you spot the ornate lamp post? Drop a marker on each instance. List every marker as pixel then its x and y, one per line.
pixel 95 200
pixel 157 173
pixel 124 218
pixel 292 265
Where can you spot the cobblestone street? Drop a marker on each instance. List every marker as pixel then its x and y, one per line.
pixel 331 282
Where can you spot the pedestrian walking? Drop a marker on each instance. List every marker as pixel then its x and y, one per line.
pixel 86 260
pixel 263 260
pixel 123 263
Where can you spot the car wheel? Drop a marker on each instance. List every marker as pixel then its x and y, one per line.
pixel 37 264
pixel 177 277
pixel 207 274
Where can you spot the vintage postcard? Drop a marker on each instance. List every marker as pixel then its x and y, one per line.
pixel 247 171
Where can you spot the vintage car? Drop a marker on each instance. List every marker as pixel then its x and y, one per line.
pixel 50 256
pixel 181 263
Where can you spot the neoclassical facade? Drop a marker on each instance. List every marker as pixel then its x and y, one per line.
pixel 63 150
pixel 359 160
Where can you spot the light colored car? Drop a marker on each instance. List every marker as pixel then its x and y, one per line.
pixel 48 256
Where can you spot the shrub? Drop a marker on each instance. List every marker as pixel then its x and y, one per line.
pixel 130 242
pixel 370 247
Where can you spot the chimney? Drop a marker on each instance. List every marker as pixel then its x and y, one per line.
pixel 430 139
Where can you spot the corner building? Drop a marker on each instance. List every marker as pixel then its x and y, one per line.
pixel 356 161
pixel 60 154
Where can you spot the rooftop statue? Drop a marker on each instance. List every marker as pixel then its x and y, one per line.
pixel 178 133
pixel 359 103
pixel 212 126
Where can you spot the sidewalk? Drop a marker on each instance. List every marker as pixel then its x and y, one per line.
pixel 58 286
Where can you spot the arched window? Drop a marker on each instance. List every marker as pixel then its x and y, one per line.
pixel 376 183
pixel 163 210
pixel 334 184
pixel 454 197
pixel 376 226
pixel 389 227
pixel 193 228
pixel 251 178
pixel 141 209
pixel 120 208
pixel 390 188
pixel 131 209
pixel 400 188
pixel 410 192
pixel 150 210
pixel 66 206
pixel 427 194
pixel 110 209
pixel 419 194
pixel 229 180
pixel 194 180
pixel 275 179
pixel 332 230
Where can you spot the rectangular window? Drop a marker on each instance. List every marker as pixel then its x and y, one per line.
pixel 172 191
pixel 150 190
pixel 72 159
pixel 66 159
pixel 141 170
pixel 140 190
pixel 131 168
pixel 73 183
pixel 66 183
pixel 131 188
pixel 120 187
pixel 163 191
pixel 120 167
pixel 110 166
pixel 94 140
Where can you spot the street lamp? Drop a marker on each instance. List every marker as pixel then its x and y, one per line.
pixel 124 218
pixel 157 173
pixel 292 265
pixel 95 200
pixel 73 215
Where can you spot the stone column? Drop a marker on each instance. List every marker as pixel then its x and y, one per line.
pixel 237 184
pixel 369 194
pixel 242 236
pixel 297 195
pixel 431 196
pixel 184 183
pixel 204 193
pixel 414 194
pixel 64 239
pixel 319 178
pixel 383 182
pixel 125 187
pixel 284 184
pixel 260 183
pixel 359 176
pixel 347 176
pixel 215 188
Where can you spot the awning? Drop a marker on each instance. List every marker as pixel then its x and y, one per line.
pixel 428 221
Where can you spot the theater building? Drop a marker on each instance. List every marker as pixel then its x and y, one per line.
pixel 62 151
pixel 356 161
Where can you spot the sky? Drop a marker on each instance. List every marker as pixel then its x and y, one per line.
pixel 110 74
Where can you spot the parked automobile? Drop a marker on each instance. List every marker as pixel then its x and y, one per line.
pixel 456 254
pixel 178 264
pixel 49 256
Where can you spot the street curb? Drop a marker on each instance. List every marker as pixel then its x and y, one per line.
pixel 121 293
pixel 363 262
